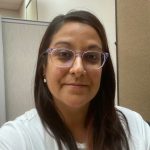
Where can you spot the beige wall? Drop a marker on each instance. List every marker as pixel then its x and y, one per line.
pixel 22 10
pixel 9 13
pixel 133 21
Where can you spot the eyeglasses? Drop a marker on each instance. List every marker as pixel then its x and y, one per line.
pixel 91 59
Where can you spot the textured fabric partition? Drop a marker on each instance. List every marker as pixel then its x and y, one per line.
pixel 133 32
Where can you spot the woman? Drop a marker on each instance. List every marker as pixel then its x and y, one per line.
pixel 74 95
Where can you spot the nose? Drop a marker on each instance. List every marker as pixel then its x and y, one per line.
pixel 77 67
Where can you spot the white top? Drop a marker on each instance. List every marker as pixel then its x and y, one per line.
pixel 27 133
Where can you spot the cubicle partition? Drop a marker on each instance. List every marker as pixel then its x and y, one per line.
pixel 19 43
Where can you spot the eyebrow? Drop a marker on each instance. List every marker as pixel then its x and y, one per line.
pixel 92 46
pixel 62 43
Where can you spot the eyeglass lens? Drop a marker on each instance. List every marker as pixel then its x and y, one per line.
pixel 65 58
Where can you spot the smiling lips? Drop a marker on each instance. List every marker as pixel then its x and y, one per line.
pixel 75 84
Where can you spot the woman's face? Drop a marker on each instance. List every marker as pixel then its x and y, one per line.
pixel 73 87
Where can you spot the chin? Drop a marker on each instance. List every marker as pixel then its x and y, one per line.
pixel 77 104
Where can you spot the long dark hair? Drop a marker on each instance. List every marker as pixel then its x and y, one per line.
pixel 108 132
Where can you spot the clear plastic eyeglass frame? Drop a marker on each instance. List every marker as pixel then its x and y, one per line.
pixel 50 51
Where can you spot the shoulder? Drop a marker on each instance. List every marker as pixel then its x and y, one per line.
pixel 19 129
pixel 134 119
pixel 25 132
pixel 26 121
pixel 139 129
pixel 131 116
pixel 28 118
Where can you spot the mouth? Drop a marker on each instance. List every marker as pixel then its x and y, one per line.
pixel 76 88
pixel 76 84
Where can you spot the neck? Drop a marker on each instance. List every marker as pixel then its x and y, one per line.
pixel 75 121
pixel 74 116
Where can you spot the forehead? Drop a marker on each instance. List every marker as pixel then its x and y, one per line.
pixel 76 31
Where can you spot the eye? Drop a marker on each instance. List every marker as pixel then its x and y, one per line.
pixel 92 57
pixel 62 54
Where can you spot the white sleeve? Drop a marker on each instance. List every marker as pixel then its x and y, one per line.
pixel 11 137
pixel 26 132
pixel 140 130
pixel 146 135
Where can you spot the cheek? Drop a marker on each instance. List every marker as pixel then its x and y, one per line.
pixel 53 77
pixel 96 79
